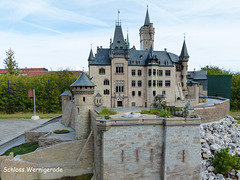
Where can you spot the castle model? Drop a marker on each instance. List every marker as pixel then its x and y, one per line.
pixel 126 77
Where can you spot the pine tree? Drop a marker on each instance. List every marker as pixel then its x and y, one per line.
pixel 10 63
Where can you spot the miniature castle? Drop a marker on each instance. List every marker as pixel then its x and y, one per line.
pixel 126 77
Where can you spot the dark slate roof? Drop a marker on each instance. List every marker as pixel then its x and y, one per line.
pixel 118 40
pixel 90 57
pixel 189 81
pixel 102 57
pixel 196 75
pixel 184 52
pixel 147 19
pixel 98 95
pixel 83 80
pixel 66 93
pixel 140 57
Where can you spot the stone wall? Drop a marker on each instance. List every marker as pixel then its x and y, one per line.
pixel 32 136
pixel 182 152
pixel 214 112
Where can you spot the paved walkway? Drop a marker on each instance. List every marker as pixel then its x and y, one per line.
pixel 10 128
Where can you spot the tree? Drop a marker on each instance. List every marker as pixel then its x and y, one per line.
pixel 10 63
pixel 214 70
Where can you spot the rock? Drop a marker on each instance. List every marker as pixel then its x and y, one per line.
pixel 215 147
pixel 210 168
pixel 232 172
pixel 202 141
pixel 220 177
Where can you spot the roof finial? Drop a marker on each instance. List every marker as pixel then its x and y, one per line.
pixel 91 46
pixel 184 36
pixel 118 22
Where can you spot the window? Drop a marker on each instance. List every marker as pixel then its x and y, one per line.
pixel 133 83
pixel 163 93
pixel 149 83
pixel 133 72
pixel 139 93
pixel 106 82
pixel 139 72
pixel 106 91
pixel 102 71
pixel 167 83
pixel 154 72
pixel 133 104
pixel 139 83
pixel 119 68
pixel 119 84
pixel 159 72
pixel 149 72
pixel 154 83
pixel 154 93
pixel 84 99
pixel 132 62
pixel 138 62
pixel 133 93
pixel 159 83
pixel 167 73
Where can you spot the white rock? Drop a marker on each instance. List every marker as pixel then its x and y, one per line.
pixel 210 168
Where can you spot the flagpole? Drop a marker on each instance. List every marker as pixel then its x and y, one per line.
pixel 34 102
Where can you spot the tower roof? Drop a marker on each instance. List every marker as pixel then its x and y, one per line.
pixel 83 80
pixel 147 19
pixel 184 52
pixel 118 40
pixel 91 57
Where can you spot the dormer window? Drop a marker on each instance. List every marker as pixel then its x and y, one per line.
pixel 166 62
pixel 118 41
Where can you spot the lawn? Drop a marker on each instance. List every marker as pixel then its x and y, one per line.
pixel 235 115
pixel 28 115
pixel 22 149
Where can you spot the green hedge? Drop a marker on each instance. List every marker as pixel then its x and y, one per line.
pixel 19 86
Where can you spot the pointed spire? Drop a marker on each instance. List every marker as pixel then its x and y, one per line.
pixel 83 81
pixel 184 52
pixel 118 40
pixel 91 57
pixel 147 19
pixel 128 44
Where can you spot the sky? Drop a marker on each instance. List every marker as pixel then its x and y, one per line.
pixel 58 34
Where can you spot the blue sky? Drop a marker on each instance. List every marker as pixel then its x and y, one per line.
pixel 57 34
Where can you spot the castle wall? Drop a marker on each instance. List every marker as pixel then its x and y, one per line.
pixel 132 152
pixel 182 151
pixel 213 112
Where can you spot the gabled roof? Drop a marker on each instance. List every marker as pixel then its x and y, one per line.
pixel 90 57
pixel 197 75
pixel 118 40
pixel 83 80
pixel 98 95
pixel 184 52
pixel 147 19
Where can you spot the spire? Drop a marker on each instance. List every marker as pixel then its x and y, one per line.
pixel 128 44
pixel 91 57
pixel 147 19
pixel 83 81
pixel 118 40
pixel 184 52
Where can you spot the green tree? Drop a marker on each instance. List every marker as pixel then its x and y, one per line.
pixel 214 70
pixel 224 162
pixel 10 63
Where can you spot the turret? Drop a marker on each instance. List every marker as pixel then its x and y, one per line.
pixel 147 32
pixel 83 90
pixel 184 58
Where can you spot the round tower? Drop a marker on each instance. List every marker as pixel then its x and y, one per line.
pixel 83 90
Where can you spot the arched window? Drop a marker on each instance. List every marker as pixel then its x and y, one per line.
pixel 106 82
pixel 106 91
pixel 101 71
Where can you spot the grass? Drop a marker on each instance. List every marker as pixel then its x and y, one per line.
pixel 20 115
pixel 235 115
pixel 22 149
pixel 107 112
pixel 63 131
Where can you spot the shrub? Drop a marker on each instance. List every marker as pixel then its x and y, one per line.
pixel 154 111
pixel 144 111
pixel 107 112
pixel 107 117
pixel 224 162
pixel 63 131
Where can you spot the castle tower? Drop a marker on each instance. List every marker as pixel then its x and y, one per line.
pixel 83 90
pixel 184 57
pixel 90 59
pixel 146 33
